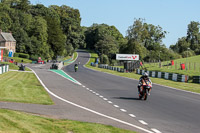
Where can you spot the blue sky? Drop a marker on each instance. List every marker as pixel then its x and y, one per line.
pixel 172 15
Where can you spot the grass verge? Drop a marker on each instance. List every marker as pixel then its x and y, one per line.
pixel 18 122
pixel 74 57
pixel 19 60
pixel 14 67
pixel 192 66
pixel 179 85
pixel 22 87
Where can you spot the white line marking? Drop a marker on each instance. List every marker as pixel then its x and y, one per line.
pixel 105 99
pixel 83 86
pixel 143 122
pixel 87 88
pixel 132 115
pixel 89 110
pixel 109 102
pixel 97 94
pixel 116 106
pixel 155 130
pixel 101 96
pixel 123 110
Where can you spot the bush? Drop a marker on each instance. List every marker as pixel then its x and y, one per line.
pixel 34 57
pixel 22 55
pixel 105 59
pixel 16 54
pixel 187 53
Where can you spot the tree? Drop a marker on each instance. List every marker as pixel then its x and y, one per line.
pixel 147 35
pixel 56 38
pixel 134 47
pixel 193 36
pixel 24 5
pixel 5 22
pixel 143 37
pixel 70 24
pixel 107 46
pixel 39 37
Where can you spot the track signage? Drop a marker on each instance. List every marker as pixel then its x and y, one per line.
pixel 127 57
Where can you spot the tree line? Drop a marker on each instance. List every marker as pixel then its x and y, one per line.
pixel 53 31
pixel 41 31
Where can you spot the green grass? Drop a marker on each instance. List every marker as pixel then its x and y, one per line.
pixel 192 65
pixel 18 122
pixel 179 85
pixel 19 60
pixel 92 58
pixel 22 87
pixel 74 57
pixel 14 67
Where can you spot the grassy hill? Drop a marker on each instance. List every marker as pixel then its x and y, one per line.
pixel 192 66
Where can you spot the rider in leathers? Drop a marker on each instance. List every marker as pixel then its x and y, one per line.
pixel 145 76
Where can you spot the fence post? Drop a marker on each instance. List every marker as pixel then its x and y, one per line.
pixel 189 65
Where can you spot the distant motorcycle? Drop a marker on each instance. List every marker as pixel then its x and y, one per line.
pixel 75 67
pixel 144 89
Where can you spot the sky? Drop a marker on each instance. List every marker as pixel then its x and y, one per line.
pixel 172 15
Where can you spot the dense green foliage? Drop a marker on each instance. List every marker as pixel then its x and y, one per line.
pixel 189 45
pixel 41 31
pixel 105 40
pixel 53 31
pixel 142 38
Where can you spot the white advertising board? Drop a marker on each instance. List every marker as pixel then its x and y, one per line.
pixel 127 57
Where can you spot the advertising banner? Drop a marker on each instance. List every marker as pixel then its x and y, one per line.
pixel 127 57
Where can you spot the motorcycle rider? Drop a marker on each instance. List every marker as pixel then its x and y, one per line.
pixel 76 67
pixel 145 76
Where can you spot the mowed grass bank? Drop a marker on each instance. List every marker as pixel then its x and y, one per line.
pixel 18 122
pixel 22 87
pixel 179 85
pixel 192 66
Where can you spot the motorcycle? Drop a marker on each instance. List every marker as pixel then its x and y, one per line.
pixel 144 89
pixel 76 68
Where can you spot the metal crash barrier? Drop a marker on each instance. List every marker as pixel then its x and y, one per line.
pixel 4 68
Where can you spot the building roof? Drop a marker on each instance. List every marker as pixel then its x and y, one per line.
pixel 7 37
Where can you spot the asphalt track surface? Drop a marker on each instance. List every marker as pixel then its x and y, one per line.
pixel 168 110
pixel 113 100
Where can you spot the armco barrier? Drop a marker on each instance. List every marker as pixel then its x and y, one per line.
pixel 105 66
pixel 159 75
pixel 196 79
pixel 169 76
pixel 4 68
pixel 166 75
pixel 174 76
pixel 153 74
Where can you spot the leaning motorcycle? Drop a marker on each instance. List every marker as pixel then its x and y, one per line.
pixel 144 89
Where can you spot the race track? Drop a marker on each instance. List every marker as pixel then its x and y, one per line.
pixel 168 110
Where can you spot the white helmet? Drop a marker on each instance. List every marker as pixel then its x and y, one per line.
pixel 145 74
